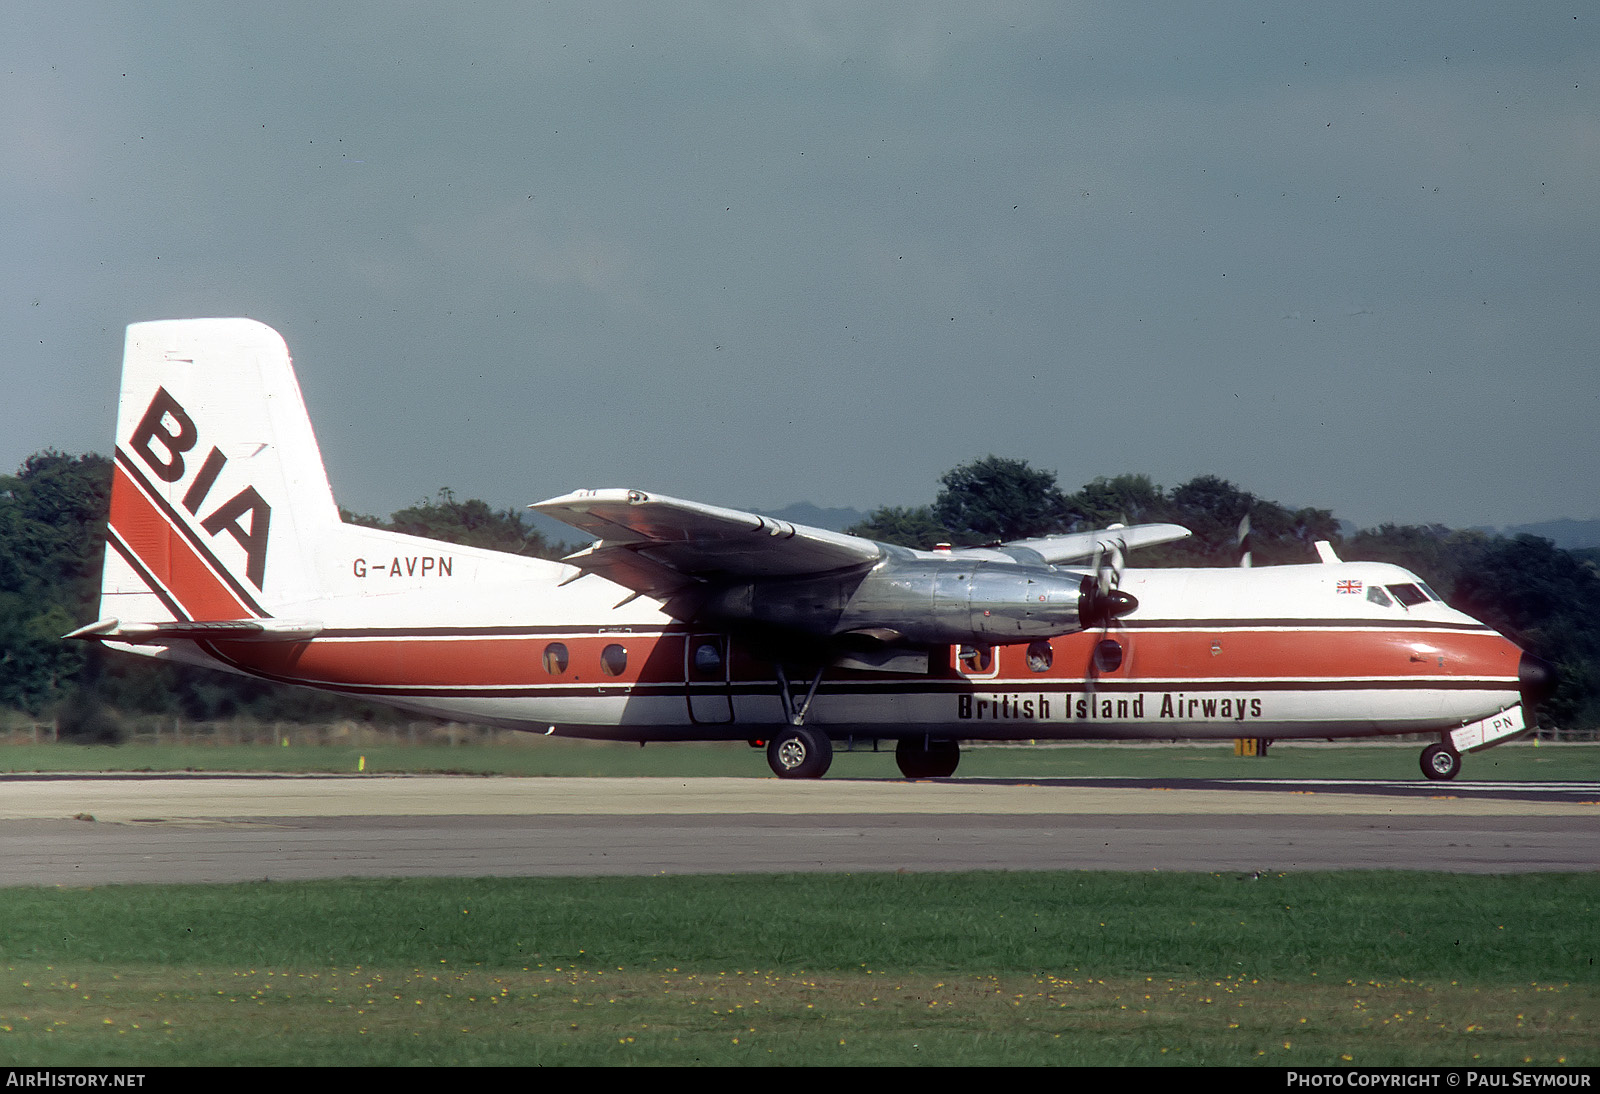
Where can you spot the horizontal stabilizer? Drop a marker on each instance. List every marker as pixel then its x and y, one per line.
pixel 211 630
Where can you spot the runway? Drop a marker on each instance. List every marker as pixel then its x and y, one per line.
pixel 212 828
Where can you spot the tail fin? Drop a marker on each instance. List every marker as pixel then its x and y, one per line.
pixel 219 497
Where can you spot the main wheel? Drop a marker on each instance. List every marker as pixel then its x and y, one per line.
pixel 799 752
pixel 1441 762
pixel 933 760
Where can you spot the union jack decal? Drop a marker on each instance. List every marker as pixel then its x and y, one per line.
pixel 1349 587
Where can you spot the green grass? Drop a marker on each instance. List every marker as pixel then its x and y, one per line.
pixel 1315 969
pixel 1082 968
pixel 541 756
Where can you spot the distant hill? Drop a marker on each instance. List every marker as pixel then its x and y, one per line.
pixel 1570 535
pixel 803 512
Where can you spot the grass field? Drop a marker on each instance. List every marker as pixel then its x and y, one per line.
pixel 1059 968
pixel 556 757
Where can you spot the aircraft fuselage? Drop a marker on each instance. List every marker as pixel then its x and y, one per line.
pixel 688 622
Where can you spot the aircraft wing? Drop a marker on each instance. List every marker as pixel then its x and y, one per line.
pixel 657 545
pixel 1083 545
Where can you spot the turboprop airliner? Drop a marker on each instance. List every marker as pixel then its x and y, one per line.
pixel 684 621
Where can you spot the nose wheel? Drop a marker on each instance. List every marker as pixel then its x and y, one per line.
pixel 1441 762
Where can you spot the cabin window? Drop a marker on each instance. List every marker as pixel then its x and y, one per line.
pixel 1376 594
pixel 708 659
pixel 1408 594
pixel 977 658
pixel 613 660
pixel 1040 656
pixel 1108 655
pixel 555 658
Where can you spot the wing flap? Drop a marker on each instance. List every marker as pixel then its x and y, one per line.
pixel 632 570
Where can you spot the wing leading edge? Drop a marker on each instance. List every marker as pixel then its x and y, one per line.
pixel 658 546
pixel 1083 545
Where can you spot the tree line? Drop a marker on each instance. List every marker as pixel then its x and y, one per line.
pixel 994 500
pixel 52 538
pixel 1545 599
pixel 52 543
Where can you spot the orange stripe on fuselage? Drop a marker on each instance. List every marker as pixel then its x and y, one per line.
pixel 168 555
pixel 462 662
pixel 1320 653
pixel 518 661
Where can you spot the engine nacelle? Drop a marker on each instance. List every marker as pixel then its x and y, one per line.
pixel 943 602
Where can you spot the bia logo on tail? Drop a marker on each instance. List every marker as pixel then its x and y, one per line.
pixel 246 516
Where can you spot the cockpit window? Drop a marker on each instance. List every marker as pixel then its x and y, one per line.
pixel 1376 594
pixel 1408 594
pixel 1423 585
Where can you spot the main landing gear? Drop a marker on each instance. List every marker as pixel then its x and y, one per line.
pixel 1440 761
pixel 799 752
pixel 920 758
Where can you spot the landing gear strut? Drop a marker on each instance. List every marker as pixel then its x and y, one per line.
pixel 795 713
pixel 799 752
pixel 920 758
pixel 1440 761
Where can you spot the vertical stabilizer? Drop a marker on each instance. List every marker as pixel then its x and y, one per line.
pixel 219 496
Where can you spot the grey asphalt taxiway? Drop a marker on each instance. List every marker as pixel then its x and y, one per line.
pixel 110 829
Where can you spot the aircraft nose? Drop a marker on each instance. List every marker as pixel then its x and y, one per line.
pixel 1536 678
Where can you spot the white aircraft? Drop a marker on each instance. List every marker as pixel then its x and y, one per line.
pixel 689 622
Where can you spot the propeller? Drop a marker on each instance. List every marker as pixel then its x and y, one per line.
pixel 1103 602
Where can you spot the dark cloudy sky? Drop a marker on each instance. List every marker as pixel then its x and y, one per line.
pixel 1347 255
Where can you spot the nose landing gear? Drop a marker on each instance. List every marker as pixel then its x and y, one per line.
pixel 1441 762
